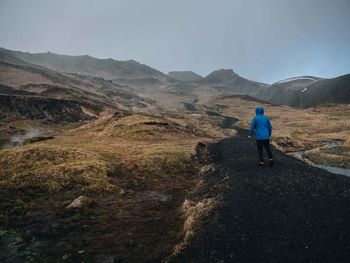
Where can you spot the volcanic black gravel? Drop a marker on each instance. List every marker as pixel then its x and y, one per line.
pixel 291 212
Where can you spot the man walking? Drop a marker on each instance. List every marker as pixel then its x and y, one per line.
pixel 262 128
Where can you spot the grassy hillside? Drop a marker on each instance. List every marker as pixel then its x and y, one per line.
pixel 131 174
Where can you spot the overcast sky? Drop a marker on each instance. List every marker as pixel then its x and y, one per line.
pixel 263 40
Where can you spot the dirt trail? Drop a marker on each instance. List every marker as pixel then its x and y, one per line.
pixel 291 212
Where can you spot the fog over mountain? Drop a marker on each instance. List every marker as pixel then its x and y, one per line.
pixel 262 40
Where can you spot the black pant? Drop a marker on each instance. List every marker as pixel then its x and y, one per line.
pixel 266 144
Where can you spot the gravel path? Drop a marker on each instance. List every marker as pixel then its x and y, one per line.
pixel 291 212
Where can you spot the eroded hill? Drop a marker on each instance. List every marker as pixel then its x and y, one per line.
pixel 110 187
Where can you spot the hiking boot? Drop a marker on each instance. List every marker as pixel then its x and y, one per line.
pixel 270 162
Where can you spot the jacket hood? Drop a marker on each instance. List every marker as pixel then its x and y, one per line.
pixel 259 110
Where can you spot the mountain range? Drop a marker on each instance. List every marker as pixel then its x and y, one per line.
pixel 99 84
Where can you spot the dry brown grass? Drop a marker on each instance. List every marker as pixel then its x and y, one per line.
pixel 194 213
pixel 140 127
pixel 304 125
pixel 52 169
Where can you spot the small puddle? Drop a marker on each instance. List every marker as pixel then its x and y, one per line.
pixel 213 114
pixel 330 144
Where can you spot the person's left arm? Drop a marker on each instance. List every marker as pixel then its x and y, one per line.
pixel 269 126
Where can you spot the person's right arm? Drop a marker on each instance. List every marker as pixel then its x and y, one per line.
pixel 252 127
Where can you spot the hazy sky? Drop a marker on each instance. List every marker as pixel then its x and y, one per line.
pixel 263 40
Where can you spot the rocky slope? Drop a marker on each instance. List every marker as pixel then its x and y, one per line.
pixel 87 65
pixel 54 110
pixel 335 90
pixel 286 91
pixel 21 78
pixel 308 91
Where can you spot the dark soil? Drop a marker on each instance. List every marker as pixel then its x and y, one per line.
pixel 291 212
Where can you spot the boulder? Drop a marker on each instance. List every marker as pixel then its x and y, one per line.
pixel 80 202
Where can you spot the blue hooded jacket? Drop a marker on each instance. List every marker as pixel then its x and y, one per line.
pixel 261 125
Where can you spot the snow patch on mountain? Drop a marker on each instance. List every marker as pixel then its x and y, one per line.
pixel 296 78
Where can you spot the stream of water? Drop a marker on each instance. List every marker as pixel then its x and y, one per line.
pixel 331 169
pixel 335 170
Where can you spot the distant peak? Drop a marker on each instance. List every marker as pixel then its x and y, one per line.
pixel 224 72
pixel 222 75
pixel 227 70
pixel 133 61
